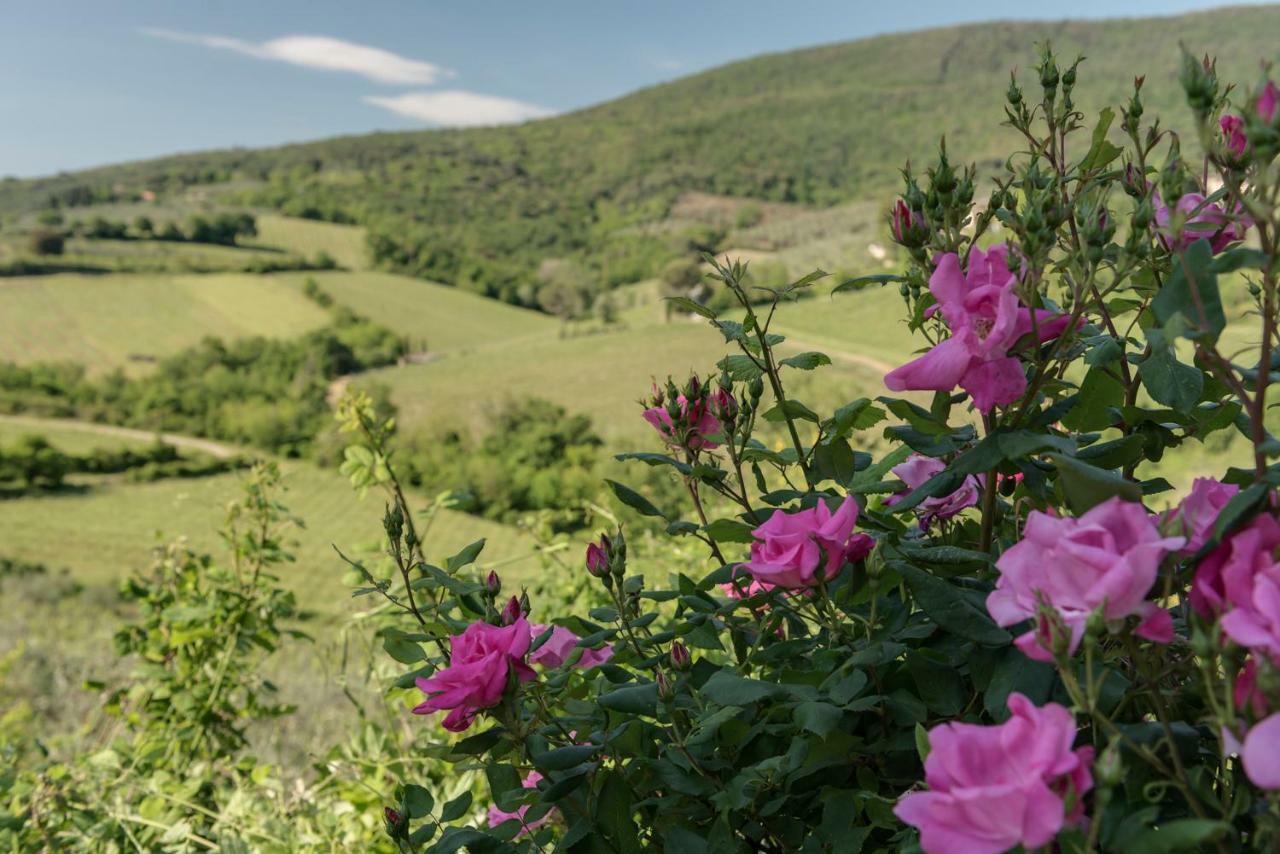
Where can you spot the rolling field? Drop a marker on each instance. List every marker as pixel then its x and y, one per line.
pixel 100 321
pixel 445 318
pixel 601 375
pixel 308 237
pixel 101 529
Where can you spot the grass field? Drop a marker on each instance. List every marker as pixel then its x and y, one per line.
pixel 102 528
pixel 445 318
pixel 308 238
pixel 101 321
pixel 601 375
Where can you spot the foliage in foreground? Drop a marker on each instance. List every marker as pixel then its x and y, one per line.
pixel 980 641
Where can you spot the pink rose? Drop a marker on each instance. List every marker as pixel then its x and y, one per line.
pixel 1261 753
pixel 986 320
pixel 476 678
pixel 1195 516
pixel 1107 558
pixel 696 421
pixel 1233 132
pixel 1225 576
pixel 1203 220
pixel 916 471
pixel 992 788
pixel 560 646
pixel 1249 580
pixel 790 547
pixel 1267 102
pixel 497 816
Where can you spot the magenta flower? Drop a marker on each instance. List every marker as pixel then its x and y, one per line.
pixel 791 547
pixel 1267 102
pixel 560 646
pixel 1233 132
pixel 1226 574
pixel 1203 221
pixel 1108 558
pixel 484 656
pixel 986 320
pixel 1196 514
pixel 1261 753
pixel 916 471
pixel 1241 579
pixel 598 556
pixel 498 816
pixel 992 788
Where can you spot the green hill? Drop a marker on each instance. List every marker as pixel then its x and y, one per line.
pixel 481 208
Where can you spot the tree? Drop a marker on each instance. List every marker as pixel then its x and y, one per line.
pixel 47 241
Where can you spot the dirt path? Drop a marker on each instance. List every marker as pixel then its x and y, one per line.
pixel 191 443
pixel 869 362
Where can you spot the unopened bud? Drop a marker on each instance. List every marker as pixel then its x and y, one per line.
pixel 598 557
pixel 665 691
pixel 1109 766
pixel 395 821
pixel 493 584
pixel 681 660
pixel 510 612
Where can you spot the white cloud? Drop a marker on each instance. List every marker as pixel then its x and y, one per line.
pixel 458 108
pixel 668 64
pixel 321 52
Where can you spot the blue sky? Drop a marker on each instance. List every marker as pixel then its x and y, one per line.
pixel 90 82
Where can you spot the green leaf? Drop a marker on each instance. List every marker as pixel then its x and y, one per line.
pixel 922 743
pixel 1187 834
pixel 614 813
pixel 729 531
pixel 818 718
pixel 1085 486
pixel 1101 152
pixel 741 368
pixel 856 415
pixel 403 651
pixel 1098 394
pixel 1192 292
pixel 418 801
pixel 456 808
pixel 564 758
pixel 1167 380
pixel 465 557
pixel 634 500
pixel 949 607
pixel 632 699
pixel 863 281
pixel 729 689
pixel 807 361
pixel 792 408
pixel 692 307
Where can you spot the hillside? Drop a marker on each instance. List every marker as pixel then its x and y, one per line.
pixel 482 208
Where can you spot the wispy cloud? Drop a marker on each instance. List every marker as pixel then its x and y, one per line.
pixel 668 64
pixel 321 52
pixel 458 108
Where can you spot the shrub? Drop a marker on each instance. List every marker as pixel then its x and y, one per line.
pixel 47 242
pixel 980 640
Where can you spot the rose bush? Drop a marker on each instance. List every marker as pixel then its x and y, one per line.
pixel 973 637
